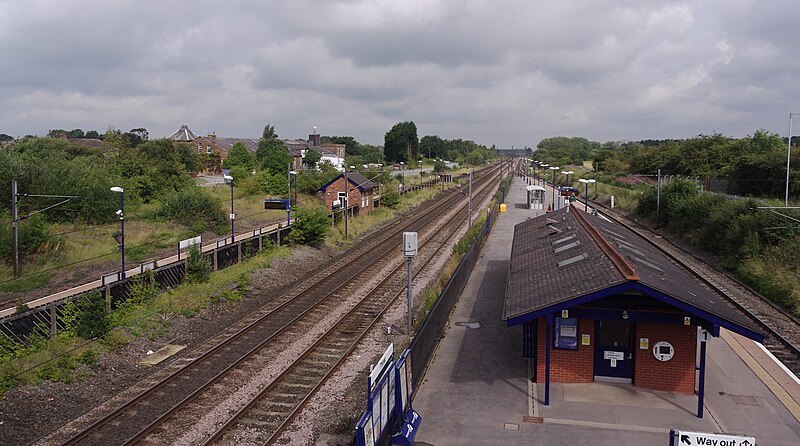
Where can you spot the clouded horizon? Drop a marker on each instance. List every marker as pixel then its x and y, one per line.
pixel 497 72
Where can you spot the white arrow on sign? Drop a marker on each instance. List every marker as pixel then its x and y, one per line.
pixel 703 439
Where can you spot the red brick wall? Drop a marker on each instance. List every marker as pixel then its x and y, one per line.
pixel 678 373
pixel 566 366
pixel 331 194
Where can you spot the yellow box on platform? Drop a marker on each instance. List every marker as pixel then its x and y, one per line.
pixel 502 207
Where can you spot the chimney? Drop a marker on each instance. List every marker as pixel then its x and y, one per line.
pixel 213 137
pixel 314 138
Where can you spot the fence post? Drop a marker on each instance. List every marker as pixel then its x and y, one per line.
pixel 108 297
pixel 216 261
pixel 239 252
pixel 51 307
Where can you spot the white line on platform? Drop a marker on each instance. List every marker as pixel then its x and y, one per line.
pixel 780 364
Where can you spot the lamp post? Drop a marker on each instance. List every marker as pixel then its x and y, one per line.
pixel 229 179
pixel 567 173
pixel 541 177
pixel 586 203
pixel 294 174
pixel 554 169
pixel 121 213
pixel 788 159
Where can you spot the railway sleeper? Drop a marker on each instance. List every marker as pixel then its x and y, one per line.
pixel 244 423
pixel 297 385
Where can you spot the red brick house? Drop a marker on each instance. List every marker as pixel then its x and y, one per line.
pixel 360 191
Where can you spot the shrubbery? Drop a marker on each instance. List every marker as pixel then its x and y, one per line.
pixel 91 319
pixel 390 198
pixel 198 268
pixel 34 238
pixel 195 209
pixel 311 226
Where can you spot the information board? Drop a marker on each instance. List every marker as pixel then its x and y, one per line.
pixel 566 335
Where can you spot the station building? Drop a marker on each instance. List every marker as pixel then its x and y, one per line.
pixel 359 193
pixel 597 302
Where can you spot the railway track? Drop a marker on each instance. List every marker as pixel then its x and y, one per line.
pixel 243 350
pixel 782 328
pixel 270 412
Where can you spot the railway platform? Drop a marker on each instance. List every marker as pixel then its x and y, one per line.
pixel 477 389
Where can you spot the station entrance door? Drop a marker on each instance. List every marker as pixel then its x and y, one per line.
pixel 613 351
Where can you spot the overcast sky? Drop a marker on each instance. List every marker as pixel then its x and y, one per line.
pixel 497 72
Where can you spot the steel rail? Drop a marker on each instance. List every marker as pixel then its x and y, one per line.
pixel 350 259
pixel 332 333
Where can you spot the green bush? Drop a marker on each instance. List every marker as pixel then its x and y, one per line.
pixel 198 269
pixel 195 209
pixel 92 320
pixel 311 226
pixel 390 198
pixel 35 237
pixel 273 184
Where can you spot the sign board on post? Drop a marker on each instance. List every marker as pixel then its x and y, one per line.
pixel 682 438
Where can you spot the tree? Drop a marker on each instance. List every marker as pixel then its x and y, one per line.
pixel 138 136
pixel 238 155
pixel 401 143
pixel 311 158
pixel 276 157
pixel 432 146
pixel 269 132
pixel 116 138
pixel 76 133
pixel 352 147
pixel 92 134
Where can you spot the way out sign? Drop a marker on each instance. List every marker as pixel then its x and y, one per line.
pixel 682 438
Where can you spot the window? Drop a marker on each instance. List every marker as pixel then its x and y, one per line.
pixel 199 147
pixel 208 148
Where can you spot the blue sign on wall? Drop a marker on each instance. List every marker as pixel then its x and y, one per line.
pixel 566 333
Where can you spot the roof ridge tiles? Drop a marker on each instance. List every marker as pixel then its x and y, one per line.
pixel 616 258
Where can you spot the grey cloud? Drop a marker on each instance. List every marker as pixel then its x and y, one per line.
pixel 505 72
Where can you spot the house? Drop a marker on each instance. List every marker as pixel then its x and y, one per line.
pixel 360 193
pixel 212 143
pixel 331 153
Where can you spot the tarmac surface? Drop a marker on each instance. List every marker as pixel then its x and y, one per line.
pixel 477 389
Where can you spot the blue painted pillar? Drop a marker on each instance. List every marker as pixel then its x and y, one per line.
pixel 701 390
pixel 547 360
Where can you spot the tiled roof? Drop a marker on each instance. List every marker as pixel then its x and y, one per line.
pixel 359 180
pixel 226 143
pixel 595 254
pixel 354 178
